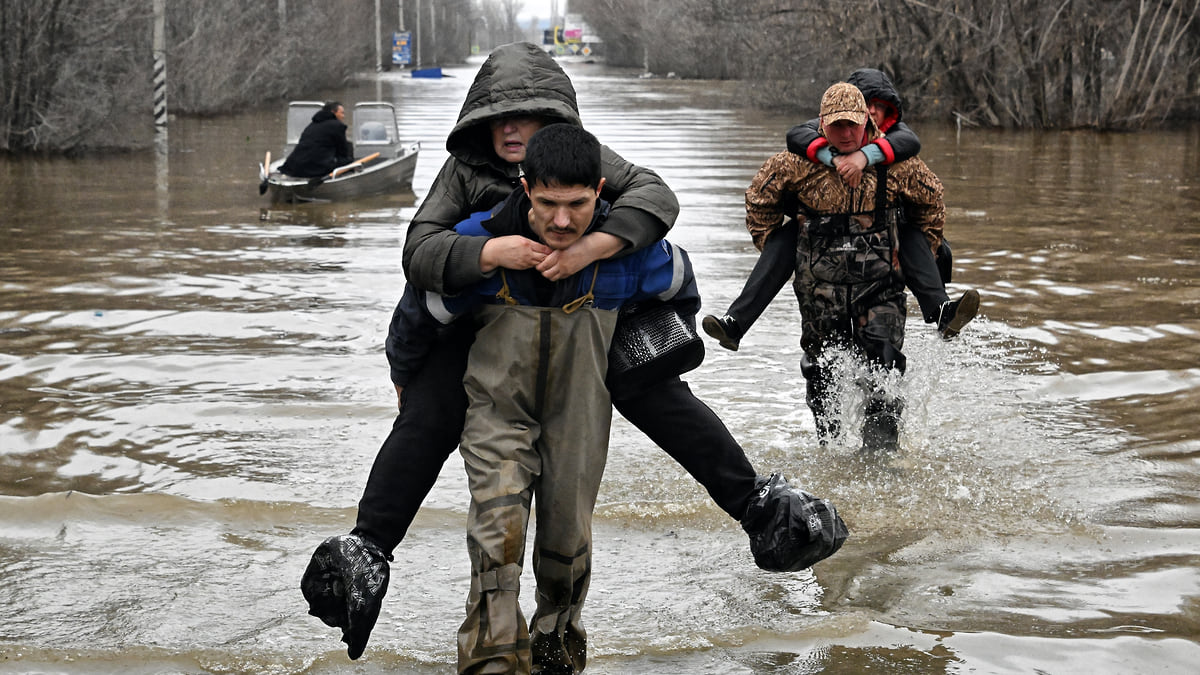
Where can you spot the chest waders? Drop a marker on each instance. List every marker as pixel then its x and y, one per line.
pixel 851 293
pixel 537 432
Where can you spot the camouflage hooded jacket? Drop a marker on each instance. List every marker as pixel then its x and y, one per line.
pixel 788 185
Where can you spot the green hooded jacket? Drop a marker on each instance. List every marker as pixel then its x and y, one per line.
pixel 516 79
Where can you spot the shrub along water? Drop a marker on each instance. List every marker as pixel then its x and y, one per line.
pixel 76 74
pixel 1023 63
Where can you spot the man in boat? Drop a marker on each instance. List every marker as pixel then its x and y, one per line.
pixel 846 264
pixel 518 90
pixel 925 271
pixel 322 146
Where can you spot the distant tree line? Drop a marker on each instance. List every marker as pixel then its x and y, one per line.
pixel 1011 63
pixel 75 75
pixel 67 70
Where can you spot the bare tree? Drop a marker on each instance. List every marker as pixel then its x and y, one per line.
pixel 1027 63
pixel 76 74
pixel 499 18
pixel 70 77
pixel 226 53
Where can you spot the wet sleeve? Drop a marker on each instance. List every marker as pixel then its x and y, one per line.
pixel 435 257
pixel 806 139
pixel 687 298
pixel 899 144
pixel 765 207
pixel 410 338
pixel 873 154
pixel 666 275
pixel 643 207
pixel 924 201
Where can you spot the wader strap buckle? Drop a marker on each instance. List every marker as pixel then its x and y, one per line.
pixel 505 578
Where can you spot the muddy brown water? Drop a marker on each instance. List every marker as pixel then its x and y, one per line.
pixel 192 389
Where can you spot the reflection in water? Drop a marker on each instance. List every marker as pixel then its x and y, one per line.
pixel 192 390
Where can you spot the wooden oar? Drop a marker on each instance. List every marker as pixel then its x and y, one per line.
pixel 264 171
pixel 342 169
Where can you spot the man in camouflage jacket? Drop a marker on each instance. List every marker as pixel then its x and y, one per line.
pixel 848 279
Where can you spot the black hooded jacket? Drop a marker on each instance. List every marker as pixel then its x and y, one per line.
pixel 899 142
pixel 322 148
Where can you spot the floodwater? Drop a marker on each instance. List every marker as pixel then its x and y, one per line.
pixel 193 387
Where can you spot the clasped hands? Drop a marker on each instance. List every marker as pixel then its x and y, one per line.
pixel 516 252
pixel 850 167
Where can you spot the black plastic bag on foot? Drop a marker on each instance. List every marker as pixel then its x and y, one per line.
pixel 789 528
pixel 344 584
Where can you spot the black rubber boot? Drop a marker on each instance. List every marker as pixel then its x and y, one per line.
pixel 820 400
pixel 881 426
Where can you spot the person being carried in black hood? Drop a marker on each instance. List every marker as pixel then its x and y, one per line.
pixel 322 146
pixel 926 273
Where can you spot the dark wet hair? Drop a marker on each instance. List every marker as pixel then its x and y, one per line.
pixel 331 106
pixel 564 154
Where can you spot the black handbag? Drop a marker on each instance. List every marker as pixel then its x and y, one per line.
pixel 652 342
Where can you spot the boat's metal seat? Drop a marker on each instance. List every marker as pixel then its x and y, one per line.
pixel 373 131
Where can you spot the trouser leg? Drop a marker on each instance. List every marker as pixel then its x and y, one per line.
pixel 692 434
pixel 573 448
pixel 775 265
pixel 502 468
pixel 819 395
pixel 921 273
pixel 425 432
pixel 945 261
pixel 881 340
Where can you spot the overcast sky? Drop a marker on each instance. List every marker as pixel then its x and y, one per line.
pixel 538 8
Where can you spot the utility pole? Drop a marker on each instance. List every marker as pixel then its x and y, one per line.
pixel 378 40
pixel 432 31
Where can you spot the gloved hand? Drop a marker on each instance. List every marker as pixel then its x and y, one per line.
pixel 789 528
pixel 344 585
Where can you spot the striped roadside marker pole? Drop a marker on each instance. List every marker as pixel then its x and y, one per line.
pixel 160 64
pixel 161 156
